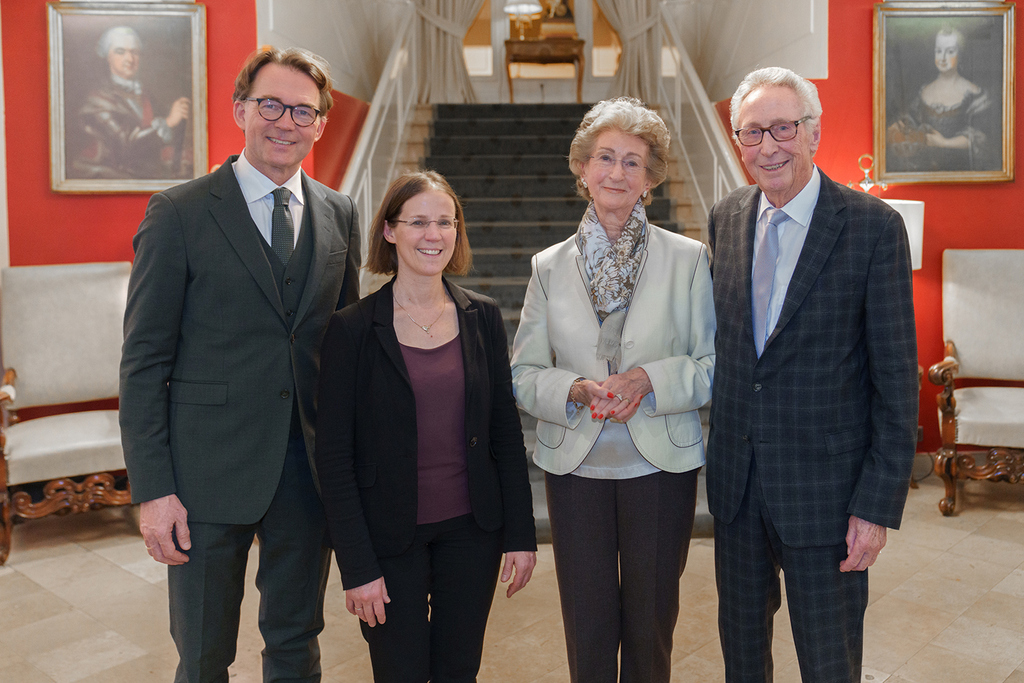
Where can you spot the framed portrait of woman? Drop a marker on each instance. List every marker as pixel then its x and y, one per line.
pixel 944 91
pixel 127 95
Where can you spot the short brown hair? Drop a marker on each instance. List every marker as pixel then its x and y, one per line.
pixel 304 61
pixel 382 257
pixel 632 117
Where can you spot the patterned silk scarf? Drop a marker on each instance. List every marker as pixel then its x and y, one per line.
pixel 612 271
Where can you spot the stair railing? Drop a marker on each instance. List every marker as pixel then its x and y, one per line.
pixel 706 145
pixel 379 147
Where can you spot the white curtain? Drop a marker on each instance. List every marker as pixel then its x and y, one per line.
pixel 636 22
pixel 442 27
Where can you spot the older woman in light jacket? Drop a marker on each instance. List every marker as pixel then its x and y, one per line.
pixel 614 355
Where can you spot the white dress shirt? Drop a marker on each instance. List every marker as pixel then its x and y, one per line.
pixel 792 233
pixel 258 191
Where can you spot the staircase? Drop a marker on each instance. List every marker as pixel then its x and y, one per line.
pixel 509 165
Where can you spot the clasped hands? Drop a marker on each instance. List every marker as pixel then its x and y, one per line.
pixel 617 398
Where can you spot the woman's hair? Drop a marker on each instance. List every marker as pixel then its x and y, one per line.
pixel 304 61
pixel 382 258
pixel 777 76
pixel 632 117
pixel 948 30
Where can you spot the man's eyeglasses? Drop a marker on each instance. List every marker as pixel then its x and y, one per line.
pixel 606 162
pixel 271 110
pixel 420 224
pixel 751 137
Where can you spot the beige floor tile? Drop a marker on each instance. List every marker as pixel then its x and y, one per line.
pixel 996 550
pixel 939 592
pixel 973 571
pixel 898 619
pixel 52 633
pixel 932 534
pixel 999 609
pixel 141 615
pixel 29 608
pixel 1003 529
pixel 873 676
pixel 14 586
pixel 1013 584
pixel 883 652
pixel 133 557
pixel 23 672
pixel 994 643
pixel 144 669
pixel 935 664
pixel 698 668
pixel 1016 677
pixel 82 658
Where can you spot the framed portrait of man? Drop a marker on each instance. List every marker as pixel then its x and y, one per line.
pixel 127 95
pixel 944 92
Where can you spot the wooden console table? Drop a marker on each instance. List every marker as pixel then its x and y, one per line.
pixel 547 51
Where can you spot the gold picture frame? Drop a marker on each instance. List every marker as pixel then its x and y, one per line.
pixel 944 92
pixel 127 95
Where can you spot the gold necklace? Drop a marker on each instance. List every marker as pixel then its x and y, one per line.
pixel 425 328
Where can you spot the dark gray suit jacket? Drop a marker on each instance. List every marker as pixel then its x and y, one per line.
pixel 829 411
pixel 211 359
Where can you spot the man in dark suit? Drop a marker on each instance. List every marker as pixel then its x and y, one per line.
pixel 236 275
pixel 814 406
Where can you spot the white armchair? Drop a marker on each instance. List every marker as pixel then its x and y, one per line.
pixel 60 340
pixel 983 329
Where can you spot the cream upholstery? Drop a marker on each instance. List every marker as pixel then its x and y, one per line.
pixel 983 328
pixel 60 342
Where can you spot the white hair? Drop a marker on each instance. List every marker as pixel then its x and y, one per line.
pixel 113 34
pixel 776 76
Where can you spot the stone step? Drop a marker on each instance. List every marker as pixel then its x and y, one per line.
pixel 515 185
pixel 502 234
pixel 497 164
pixel 506 126
pixel 506 111
pixel 502 261
pixel 509 292
pixel 451 145
pixel 545 209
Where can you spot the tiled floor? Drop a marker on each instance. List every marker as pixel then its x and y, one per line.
pixel 81 601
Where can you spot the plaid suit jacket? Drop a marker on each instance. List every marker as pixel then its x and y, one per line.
pixel 828 413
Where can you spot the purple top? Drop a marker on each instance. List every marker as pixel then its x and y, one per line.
pixel 439 386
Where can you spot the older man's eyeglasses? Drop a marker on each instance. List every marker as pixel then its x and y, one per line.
pixel 271 110
pixel 420 224
pixel 606 162
pixel 751 137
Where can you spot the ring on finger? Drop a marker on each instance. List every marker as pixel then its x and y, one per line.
pixel 620 397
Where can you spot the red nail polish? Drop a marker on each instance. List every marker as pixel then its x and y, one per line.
pixel 612 413
pixel 592 406
pixel 611 395
pixel 601 416
pixel 593 416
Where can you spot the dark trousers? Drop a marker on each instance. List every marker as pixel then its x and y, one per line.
pixel 206 592
pixel 441 590
pixel 826 606
pixel 620 547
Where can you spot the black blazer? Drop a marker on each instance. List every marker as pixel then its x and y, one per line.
pixel 211 359
pixel 366 443
pixel 829 410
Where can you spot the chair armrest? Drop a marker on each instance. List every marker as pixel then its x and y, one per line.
pixel 6 397
pixel 943 374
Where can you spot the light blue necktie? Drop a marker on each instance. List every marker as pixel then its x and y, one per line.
pixel 763 278
pixel 282 230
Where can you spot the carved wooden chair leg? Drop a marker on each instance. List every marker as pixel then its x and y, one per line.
pixel 5 526
pixel 945 467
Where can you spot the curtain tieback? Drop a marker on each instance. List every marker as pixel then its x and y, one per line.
pixel 639 29
pixel 446 25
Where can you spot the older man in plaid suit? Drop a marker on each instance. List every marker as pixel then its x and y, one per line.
pixel 814 410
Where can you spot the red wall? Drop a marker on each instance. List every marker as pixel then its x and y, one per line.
pixel 50 227
pixel 956 216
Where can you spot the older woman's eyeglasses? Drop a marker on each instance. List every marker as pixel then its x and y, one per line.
pixel 751 137
pixel 271 110
pixel 606 162
pixel 420 224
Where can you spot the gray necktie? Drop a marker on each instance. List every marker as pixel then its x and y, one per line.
pixel 282 230
pixel 763 278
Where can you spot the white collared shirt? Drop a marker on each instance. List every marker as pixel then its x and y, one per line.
pixel 792 233
pixel 258 191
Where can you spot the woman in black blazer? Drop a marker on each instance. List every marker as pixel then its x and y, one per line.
pixel 419 448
